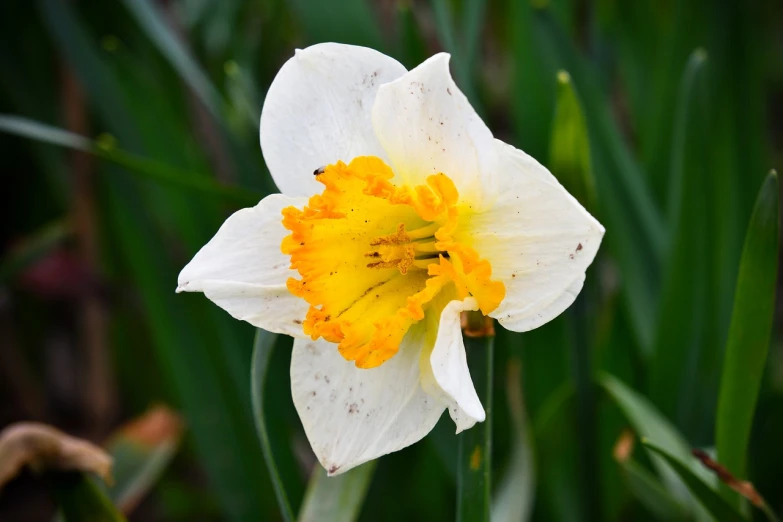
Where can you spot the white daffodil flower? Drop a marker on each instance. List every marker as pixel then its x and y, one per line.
pixel 398 211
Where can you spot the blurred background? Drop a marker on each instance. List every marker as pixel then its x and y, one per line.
pixel 130 132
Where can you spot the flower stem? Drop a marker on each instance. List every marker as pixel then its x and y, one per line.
pixel 474 464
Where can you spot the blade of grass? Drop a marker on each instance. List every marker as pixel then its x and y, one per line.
pixel 151 22
pixel 532 98
pixel 569 147
pixel 465 48
pixel 475 445
pixel 649 423
pixel 262 355
pixel 197 346
pixel 570 162
pixel 144 167
pixel 650 493
pixel 637 235
pixel 336 499
pixel 411 48
pixel 556 441
pixel 596 110
pixel 683 316
pixel 709 499
pixel 749 333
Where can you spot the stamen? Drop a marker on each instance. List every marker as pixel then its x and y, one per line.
pixel 398 238
pixel 424 232
pixel 424 264
pixel 426 247
pixel 365 289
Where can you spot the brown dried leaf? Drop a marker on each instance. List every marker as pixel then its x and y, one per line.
pixel 43 447
pixel 743 487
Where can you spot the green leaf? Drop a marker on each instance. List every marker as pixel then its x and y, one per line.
pixel 262 354
pixel 474 468
pixel 650 493
pixel 649 423
pixel 712 502
pixel 411 48
pixel 105 148
pixel 569 147
pixel 556 442
pixel 749 334
pixel 141 451
pixel 461 40
pixel 637 235
pixel 532 97
pixel 683 316
pixel 80 500
pixel 336 499
pixel 202 353
pixel 172 48
pixel 42 132
pixel 516 492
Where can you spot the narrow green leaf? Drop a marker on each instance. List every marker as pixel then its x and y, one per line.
pixel 411 48
pixel 628 172
pixel 516 493
pixel 749 334
pixel 649 423
pixel 210 378
pixel 80 500
pixel 682 328
pixel 162 173
pixel 637 236
pixel 144 167
pixel 532 97
pixel 79 49
pixel 556 442
pixel 461 40
pixel 709 499
pixel 172 48
pixel 473 16
pixel 569 147
pixel 474 468
pixel 262 354
pixel 42 132
pixel 336 499
pixel 650 493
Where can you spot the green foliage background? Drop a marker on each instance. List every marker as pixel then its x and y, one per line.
pixel 665 127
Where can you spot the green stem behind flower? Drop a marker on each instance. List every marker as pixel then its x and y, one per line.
pixel 474 461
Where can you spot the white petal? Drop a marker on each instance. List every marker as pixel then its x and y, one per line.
pixel 537 237
pixel 450 368
pixel 317 111
pixel 243 271
pixel 427 126
pixel 353 415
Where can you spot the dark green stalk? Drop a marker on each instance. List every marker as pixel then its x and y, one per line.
pixel 474 464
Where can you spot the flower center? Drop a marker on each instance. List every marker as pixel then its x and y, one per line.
pixel 373 256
